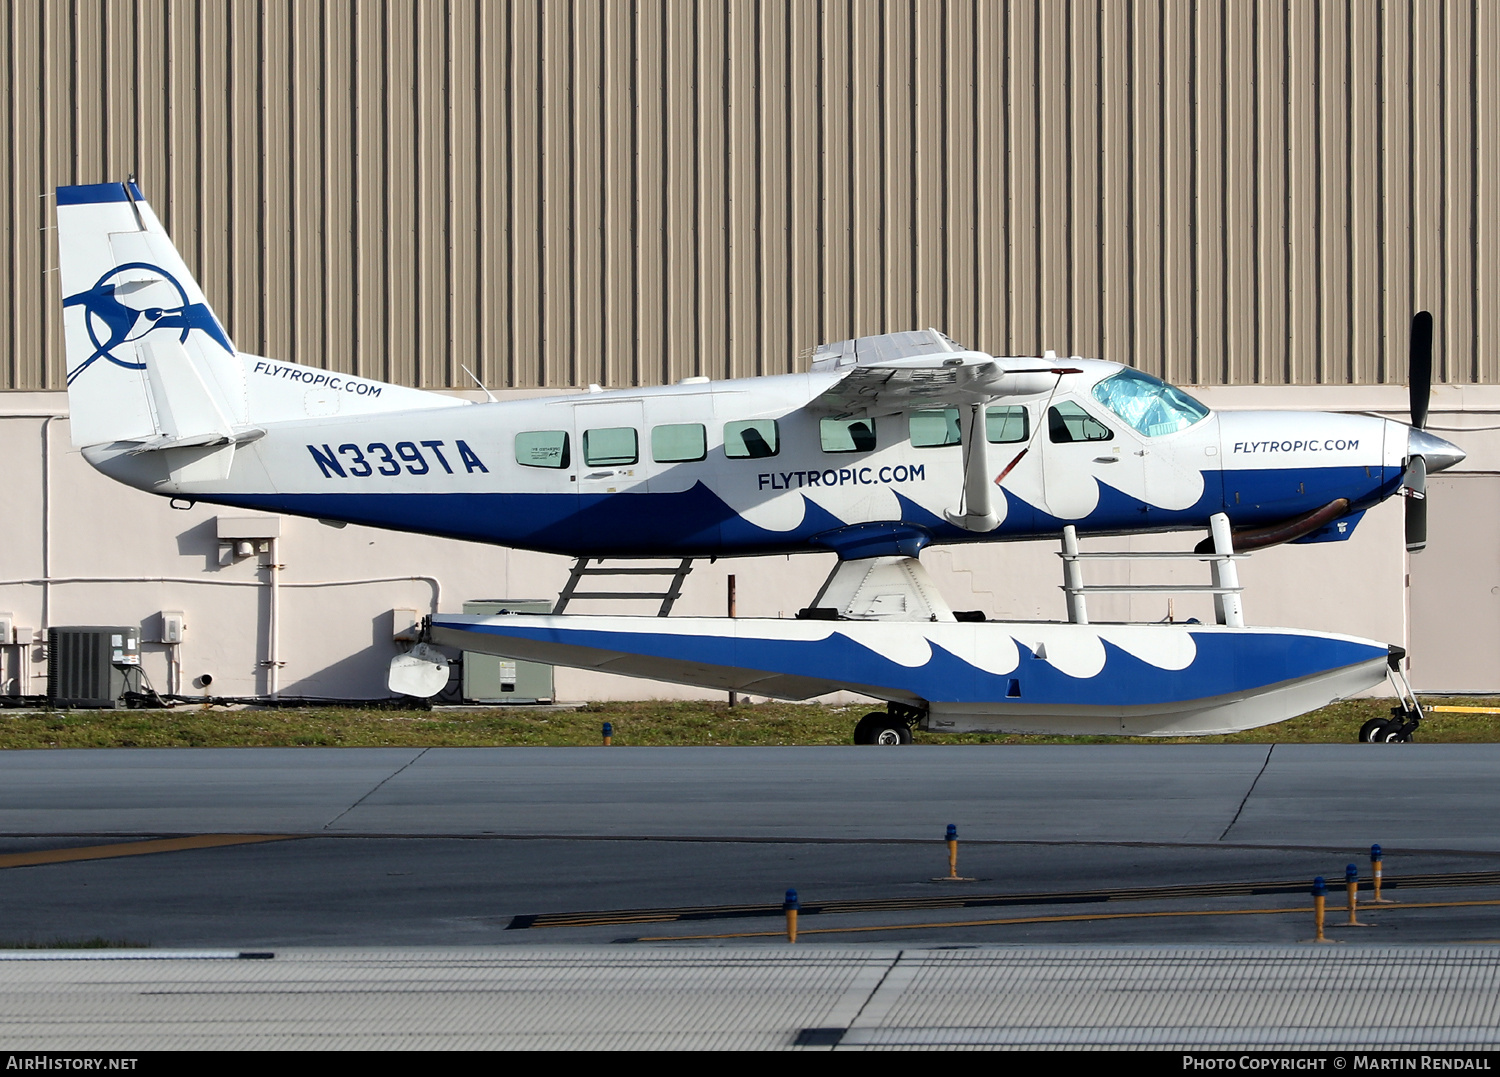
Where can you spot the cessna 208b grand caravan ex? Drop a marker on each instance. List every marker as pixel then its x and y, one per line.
pixel 887 445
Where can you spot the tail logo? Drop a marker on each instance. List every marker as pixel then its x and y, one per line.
pixel 113 318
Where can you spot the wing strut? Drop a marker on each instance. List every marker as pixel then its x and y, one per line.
pixel 978 509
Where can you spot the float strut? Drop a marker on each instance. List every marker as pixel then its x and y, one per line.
pixel 1078 612
pixel 1228 609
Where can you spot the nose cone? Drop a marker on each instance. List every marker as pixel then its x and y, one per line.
pixel 1439 454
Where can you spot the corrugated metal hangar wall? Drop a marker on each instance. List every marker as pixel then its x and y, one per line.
pixel 556 193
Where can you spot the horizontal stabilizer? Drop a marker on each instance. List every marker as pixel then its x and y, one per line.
pixel 242 436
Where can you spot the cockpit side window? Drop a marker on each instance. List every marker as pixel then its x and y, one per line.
pixel 1149 405
pixel 1067 422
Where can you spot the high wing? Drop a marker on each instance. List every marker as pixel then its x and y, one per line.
pixel 921 368
pixel 924 368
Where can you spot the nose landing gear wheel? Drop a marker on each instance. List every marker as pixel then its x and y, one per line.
pixel 878 728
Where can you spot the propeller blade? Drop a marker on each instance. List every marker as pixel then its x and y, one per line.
pixel 1420 368
pixel 1419 373
pixel 1416 504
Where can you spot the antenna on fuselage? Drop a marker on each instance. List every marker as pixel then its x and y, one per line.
pixel 479 383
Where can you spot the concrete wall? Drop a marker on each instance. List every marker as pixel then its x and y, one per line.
pixel 77 549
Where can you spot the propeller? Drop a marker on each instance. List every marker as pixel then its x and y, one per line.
pixel 1415 481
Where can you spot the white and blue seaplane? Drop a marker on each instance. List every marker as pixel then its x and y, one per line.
pixel 885 446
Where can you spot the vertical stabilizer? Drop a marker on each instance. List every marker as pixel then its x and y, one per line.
pixel 147 358
pixel 150 366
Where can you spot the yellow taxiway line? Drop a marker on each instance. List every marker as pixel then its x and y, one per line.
pixel 1061 919
pixel 134 848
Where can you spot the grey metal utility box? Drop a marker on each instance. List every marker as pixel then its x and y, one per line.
pixel 491 679
pixel 87 664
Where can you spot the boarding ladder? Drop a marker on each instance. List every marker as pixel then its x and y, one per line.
pixel 1225 588
pixel 582 568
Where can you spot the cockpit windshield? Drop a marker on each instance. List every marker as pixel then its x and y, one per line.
pixel 1149 405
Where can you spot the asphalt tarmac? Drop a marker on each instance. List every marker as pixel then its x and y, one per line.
pixel 1097 845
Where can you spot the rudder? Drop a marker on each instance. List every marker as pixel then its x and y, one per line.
pixel 130 307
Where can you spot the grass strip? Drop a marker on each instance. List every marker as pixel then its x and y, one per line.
pixel 647 723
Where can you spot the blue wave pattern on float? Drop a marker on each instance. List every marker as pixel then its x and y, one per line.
pixel 1225 663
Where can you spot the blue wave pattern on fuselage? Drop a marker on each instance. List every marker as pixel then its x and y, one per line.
pixel 698 522
pixel 1225 663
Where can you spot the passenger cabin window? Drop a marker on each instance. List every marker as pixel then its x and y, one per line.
pixel 1149 405
pixel 612 446
pixel 679 443
pixel 1006 425
pixel 1068 422
pixel 752 439
pixel 542 448
pixel 933 429
pixel 1003 425
pixel 847 435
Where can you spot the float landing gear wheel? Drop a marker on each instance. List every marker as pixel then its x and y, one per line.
pixel 1373 731
pixel 1406 715
pixel 879 728
pixel 1396 729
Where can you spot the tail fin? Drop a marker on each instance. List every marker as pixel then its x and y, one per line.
pixel 151 366
pixel 147 359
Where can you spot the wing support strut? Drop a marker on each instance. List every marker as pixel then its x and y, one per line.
pixel 978 506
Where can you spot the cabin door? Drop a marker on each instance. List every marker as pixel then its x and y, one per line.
pixel 1092 468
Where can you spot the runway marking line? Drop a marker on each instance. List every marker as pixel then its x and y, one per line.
pixel 134 848
pixel 1045 920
